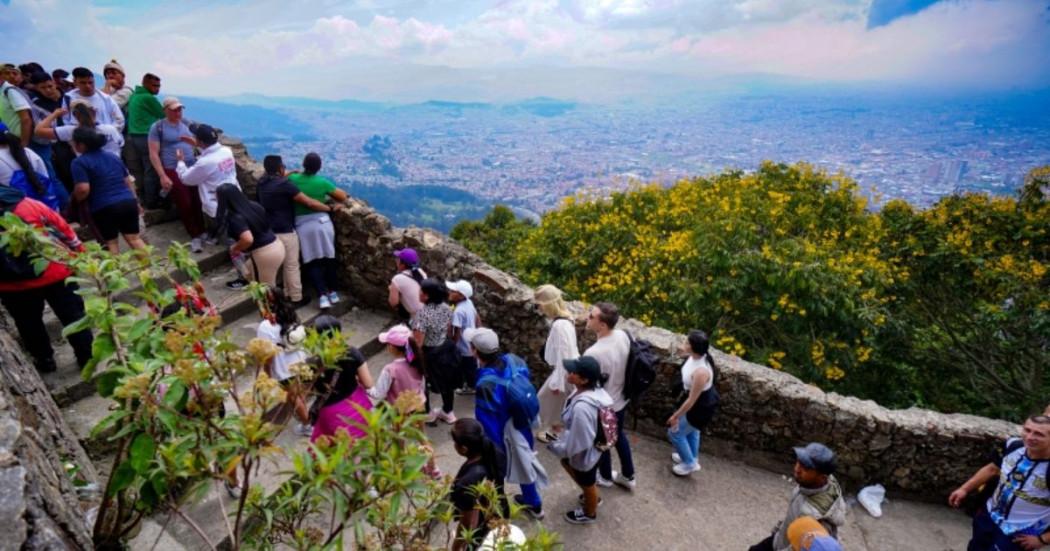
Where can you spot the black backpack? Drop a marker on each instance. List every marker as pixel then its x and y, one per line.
pixel 641 368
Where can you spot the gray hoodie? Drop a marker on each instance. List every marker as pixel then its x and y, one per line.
pixel 824 504
pixel 580 418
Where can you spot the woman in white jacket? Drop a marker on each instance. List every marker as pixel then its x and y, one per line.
pixel 561 345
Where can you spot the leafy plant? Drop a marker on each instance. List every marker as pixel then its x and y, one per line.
pixel 189 413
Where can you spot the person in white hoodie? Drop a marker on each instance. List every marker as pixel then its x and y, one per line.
pixel 215 166
pixel 577 445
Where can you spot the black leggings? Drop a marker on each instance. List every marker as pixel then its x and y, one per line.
pixel 442 377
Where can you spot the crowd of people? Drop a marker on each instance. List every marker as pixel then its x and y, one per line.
pixel 74 154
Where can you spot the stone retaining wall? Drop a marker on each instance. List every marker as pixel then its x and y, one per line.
pixel 39 507
pixel 764 412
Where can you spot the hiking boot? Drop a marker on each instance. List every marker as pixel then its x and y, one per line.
pixel 623 482
pixel 534 512
pixel 577 516
pixel 681 469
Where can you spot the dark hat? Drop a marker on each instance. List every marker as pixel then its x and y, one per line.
pixel 59 74
pixel 816 456
pixel 584 366
pixel 205 134
pixel 38 77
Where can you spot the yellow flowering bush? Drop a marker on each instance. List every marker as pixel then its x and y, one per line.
pixel 789 267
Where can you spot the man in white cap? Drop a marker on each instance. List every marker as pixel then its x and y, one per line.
pixel 464 317
pixel 115 86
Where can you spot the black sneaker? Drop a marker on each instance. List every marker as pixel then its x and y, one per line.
pixel 535 513
pixel 465 391
pixel 579 517
pixel 237 283
pixel 580 499
pixel 301 302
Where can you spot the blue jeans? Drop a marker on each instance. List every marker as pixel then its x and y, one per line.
pixel 623 449
pixel 531 496
pixel 988 537
pixel 686 441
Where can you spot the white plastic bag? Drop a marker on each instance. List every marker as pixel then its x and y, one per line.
pixel 871 498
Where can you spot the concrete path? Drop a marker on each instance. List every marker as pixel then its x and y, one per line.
pixel 727 505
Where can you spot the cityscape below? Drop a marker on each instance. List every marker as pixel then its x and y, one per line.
pixel 459 159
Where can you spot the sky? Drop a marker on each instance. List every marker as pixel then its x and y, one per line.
pixel 585 50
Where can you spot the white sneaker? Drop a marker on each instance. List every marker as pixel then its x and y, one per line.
pixel 210 240
pixel 681 469
pixel 325 303
pixel 605 482
pixel 623 481
pixel 676 458
pixel 448 418
pixel 333 297
pixel 196 246
pixel 433 416
pixel 304 430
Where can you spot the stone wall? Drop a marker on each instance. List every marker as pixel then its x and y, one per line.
pixel 39 507
pixel 764 412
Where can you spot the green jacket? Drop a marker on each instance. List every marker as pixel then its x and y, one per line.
pixel 143 111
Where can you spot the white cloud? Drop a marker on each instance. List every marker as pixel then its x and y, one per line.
pixel 208 48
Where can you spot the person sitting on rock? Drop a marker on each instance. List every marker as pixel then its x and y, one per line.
pixel 817 495
pixel 1017 516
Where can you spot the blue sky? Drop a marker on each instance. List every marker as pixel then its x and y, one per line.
pixel 409 50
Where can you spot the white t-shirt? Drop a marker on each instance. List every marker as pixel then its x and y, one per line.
pixel 689 368
pixel 106 110
pixel 8 165
pixel 612 352
pixel 114 140
pixel 561 345
pixel 272 332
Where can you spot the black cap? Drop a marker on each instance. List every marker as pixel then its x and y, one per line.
pixel 205 134
pixel 584 366
pixel 60 74
pixel 816 456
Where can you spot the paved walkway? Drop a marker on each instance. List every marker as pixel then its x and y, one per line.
pixel 727 505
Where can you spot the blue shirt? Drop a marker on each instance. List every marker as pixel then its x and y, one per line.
pixel 105 173
pixel 464 317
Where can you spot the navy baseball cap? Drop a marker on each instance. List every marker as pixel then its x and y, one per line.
pixel 816 456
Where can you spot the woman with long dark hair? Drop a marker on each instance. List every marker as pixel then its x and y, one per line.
pixel 483 462
pixel 246 224
pixel 431 328
pixel 342 391
pixel 316 234
pixel 102 180
pixel 21 168
pixel 697 408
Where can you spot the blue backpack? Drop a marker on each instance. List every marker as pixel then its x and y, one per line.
pixel 519 399
pixel 20 181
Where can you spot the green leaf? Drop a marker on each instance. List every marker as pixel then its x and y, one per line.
pixel 175 397
pixel 107 382
pixel 140 328
pixel 108 421
pixel 121 478
pixel 142 450
pixel 102 348
pixel 76 327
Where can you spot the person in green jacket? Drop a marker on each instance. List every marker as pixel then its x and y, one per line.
pixel 143 110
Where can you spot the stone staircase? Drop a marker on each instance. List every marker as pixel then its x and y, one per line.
pixel 729 505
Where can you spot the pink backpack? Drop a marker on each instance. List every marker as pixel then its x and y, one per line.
pixel 605 438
